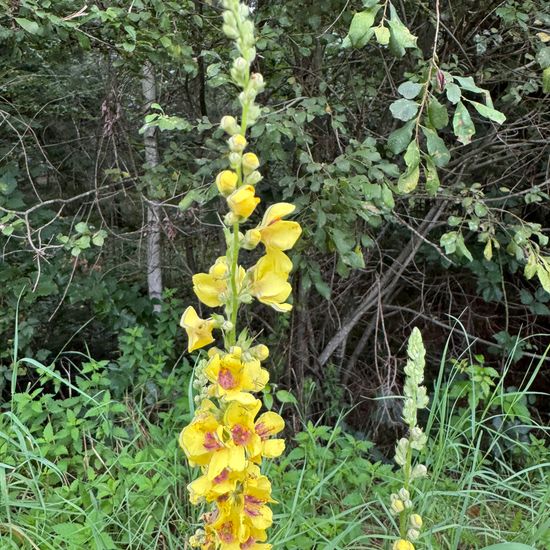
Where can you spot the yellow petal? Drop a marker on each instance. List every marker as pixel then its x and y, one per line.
pixel 276 212
pixel 208 289
pixel 242 202
pixel 269 424
pixel 272 448
pixel 282 235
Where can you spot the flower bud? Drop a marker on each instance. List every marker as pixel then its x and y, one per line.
pixel 235 160
pixel 257 82
pixel 229 124
pixel 260 352
pixel 237 143
pixel 250 163
pixel 226 182
pixel 253 178
pixel 230 219
pixel 404 494
pixel 415 521
pixel 397 506
pixel 419 471
pixel 240 65
pixel 251 239
pixel 227 325
pixel 214 351
pixel 413 534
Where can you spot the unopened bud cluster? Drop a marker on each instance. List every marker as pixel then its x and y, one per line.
pixel 416 398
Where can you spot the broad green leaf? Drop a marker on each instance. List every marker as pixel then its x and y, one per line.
pixel 436 148
pixel 400 36
pixel 412 155
pixel 543 273
pixel 361 31
pixel 488 250
pixel 448 241
pixel 462 248
pixel 382 35
pixel 400 138
pixel 463 126
pixel 188 200
pixel 81 227
pixel 410 90
pixel 30 26
pixel 453 93
pixel 98 239
pixel 488 112
pixel 409 180
pixel 546 80
pixel 285 397
pixel 437 114
pixel 543 57
pixel 467 83
pixel 432 177
pixel 404 109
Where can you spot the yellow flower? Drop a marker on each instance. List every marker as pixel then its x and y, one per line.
pixel 267 425
pixel 276 232
pixel 269 280
pixel 242 202
pixel 397 506
pixel 211 287
pixel 204 436
pixel 250 163
pixel 256 492
pixel 226 182
pixel 211 489
pixel 233 378
pixel 199 331
pixel 402 545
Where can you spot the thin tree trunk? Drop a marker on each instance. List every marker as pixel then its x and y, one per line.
pixel 154 269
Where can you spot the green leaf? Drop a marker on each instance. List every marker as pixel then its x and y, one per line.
pixel 400 36
pixel 30 26
pixel 409 180
pixel 48 433
pixel 98 239
pixel 437 114
pixel 436 148
pixel 543 57
pixel 188 200
pixel 463 126
pixel 432 177
pixel 462 248
pixel 412 155
pixel 467 83
pixel 453 93
pixel 382 35
pixel 361 31
pixel 285 397
pixel 404 109
pixel 488 112
pixel 400 138
pixel 448 241
pixel 546 80
pixel 410 90
pixel 543 273
pixel 81 227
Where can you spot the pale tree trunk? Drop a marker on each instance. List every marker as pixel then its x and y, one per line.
pixel 154 269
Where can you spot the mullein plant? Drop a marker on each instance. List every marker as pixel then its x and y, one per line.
pixel 226 438
pixel 416 398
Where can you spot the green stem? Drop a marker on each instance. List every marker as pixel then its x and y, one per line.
pixel 232 338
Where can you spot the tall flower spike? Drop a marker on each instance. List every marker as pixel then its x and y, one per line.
pixel 228 437
pixel 415 398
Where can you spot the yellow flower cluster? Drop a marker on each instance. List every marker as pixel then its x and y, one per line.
pixel 227 437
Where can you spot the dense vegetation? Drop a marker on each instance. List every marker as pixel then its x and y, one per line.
pixel 414 139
